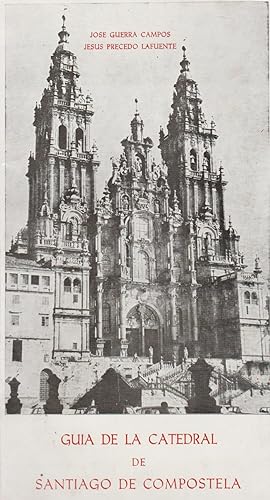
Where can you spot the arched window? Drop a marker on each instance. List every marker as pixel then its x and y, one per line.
pixel 76 286
pixel 79 139
pixel 67 285
pixel 62 137
pixel 193 159
pixel 254 298
pixel 247 298
pixel 106 319
pixel 143 268
pixel 142 228
pixel 44 386
pixel 206 160
pixel 72 230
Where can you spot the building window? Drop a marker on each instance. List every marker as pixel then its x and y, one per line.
pixel 75 299
pixel 34 280
pixel 77 286
pixel 141 228
pixel 25 279
pixel 62 137
pixel 67 285
pixel 45 321
pixel 247 298
pixel 15 319
pixel 15 299
pixel 45 301
pixel 142 267
pixel 254 298
pixel 13 279
pixel 193 159
pixel 75 346
pixel 46 281
pixel 79 139
pixel 17 350
pixel 106 319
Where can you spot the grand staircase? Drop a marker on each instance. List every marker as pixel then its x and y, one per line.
pixel 177 380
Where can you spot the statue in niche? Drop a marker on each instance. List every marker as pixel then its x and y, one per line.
pixel 138 165
pixel 208 244
pixel 125 203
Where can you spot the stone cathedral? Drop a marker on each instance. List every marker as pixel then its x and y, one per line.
pixel 153 264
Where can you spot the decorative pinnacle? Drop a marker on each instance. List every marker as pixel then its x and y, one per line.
pixel 184 63
pixel 63 34
pixel 230 221
pixel 136 106
pixel 257 269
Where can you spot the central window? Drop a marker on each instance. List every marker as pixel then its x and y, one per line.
pixel 142 267
pixel 142 228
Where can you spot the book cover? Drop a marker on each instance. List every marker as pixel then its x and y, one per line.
pixel 137 251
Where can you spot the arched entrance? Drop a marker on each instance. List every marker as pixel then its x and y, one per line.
pixel 44 385
pixel 143 331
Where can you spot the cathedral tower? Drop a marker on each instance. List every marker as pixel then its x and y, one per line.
pixel 62 195
pixel 189 151
pixel 62 172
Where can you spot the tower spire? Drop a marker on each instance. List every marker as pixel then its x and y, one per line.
pixel 137 124
pixel 63 34
pixel 184 63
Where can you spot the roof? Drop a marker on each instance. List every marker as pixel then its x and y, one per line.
pixel 22 262
pixel 110 393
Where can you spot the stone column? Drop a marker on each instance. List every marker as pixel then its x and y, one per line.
pixel 85 289
pixel 143 338
pixel 122 314
pixel 93 185
pixel 51 177
pixel 87 134
pixel 196 202
pixel 83 181
pixel 173 315
pixel 61 177
pixel 194 317
pixel 57 288
pixel 99 309
pixel 171 254
pixel 100 342
pixel 73 173
pixel 214 200
pixel 175 346
pixel 56 335
pixel 187 198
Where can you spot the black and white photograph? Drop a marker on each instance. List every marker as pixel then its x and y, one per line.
pixel 137 209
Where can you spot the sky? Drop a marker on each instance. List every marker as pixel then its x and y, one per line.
pixel 227 47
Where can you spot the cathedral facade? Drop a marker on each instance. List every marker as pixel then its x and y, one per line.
pixel 152 265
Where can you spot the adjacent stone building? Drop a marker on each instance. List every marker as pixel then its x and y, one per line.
pixel 152 265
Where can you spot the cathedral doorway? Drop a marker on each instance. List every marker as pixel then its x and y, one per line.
pixel 107 348
pixel 143 332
